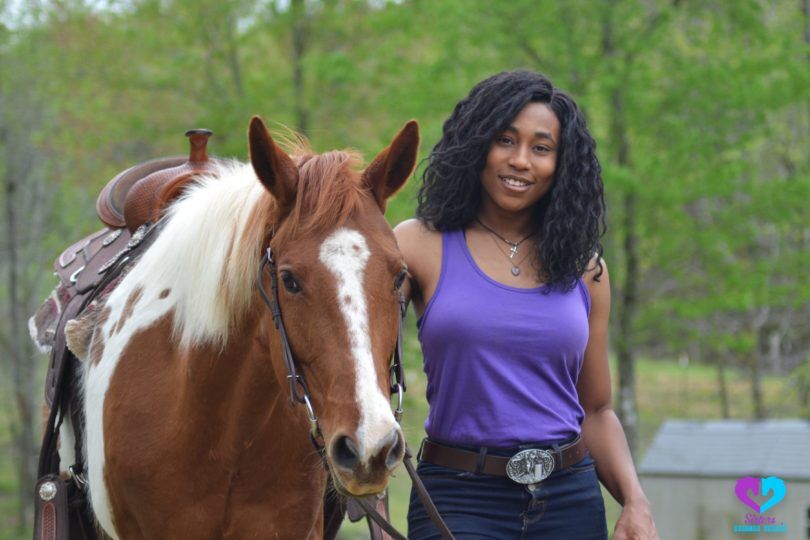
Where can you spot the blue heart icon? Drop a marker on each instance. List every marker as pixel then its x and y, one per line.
pixel 773 485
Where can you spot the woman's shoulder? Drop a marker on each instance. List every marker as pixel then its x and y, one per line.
pixel 421 247
pixel 413 235
pixel 596 269
pixel 597 281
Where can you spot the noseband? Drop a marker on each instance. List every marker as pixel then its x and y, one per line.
pixel 299 391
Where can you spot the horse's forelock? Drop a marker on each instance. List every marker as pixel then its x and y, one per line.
pixel 329 191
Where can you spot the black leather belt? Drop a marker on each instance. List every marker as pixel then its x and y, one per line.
pixel 525 467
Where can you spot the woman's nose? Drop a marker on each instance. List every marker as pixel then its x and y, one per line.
pixel 519 159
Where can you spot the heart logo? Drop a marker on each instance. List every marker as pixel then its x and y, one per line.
pixel 744 485
pixel 760 486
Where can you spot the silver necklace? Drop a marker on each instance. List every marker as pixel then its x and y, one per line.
pixel 513 247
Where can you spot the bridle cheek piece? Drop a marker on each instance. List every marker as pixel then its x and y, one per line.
pixel 299 391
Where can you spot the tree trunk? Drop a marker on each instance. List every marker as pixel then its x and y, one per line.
pixel 801 377
pixel 624 344
pixel 299 41
pixel 234 65
pixel 806 14
pixel 627 411
pixel 760 331
pixel 718 358
pixel 775 351
pixel 756 385
pixel 722 386
pixel 20 351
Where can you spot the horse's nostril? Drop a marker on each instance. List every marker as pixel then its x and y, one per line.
pixel 396 449
pixel 344 452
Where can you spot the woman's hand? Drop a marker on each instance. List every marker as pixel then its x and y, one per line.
pixel 636 522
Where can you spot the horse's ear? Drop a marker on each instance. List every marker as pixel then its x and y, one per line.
pixel 273 166
pixel 392 167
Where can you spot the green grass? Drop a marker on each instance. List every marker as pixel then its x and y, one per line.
pixel 664 390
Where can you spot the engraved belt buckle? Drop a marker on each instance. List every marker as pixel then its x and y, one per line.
pixel 530 466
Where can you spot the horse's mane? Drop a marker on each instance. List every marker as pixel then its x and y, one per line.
pixel 209 250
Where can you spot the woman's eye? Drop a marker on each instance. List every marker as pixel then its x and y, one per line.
pixel 504 140
pixel 542 149
pixel 400 279
pixel 289 282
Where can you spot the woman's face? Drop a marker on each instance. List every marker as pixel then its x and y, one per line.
pixel 521 160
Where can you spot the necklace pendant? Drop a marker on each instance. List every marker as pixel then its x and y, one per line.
pixel 515 271
pixel 513 251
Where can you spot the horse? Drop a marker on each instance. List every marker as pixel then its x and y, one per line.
pixel 189 427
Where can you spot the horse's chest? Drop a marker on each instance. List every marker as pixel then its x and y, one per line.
pixel 128 312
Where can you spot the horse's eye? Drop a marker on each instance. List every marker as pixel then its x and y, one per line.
pixel 401 278
pixel 289 282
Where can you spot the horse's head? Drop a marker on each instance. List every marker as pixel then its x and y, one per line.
pixel 339 271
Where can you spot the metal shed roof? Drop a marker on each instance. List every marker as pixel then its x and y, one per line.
pixel 730 448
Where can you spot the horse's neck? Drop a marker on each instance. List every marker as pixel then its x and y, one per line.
pixel 237 390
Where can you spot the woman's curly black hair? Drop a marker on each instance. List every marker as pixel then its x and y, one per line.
pixel 570 217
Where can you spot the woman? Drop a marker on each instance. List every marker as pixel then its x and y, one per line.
pixel 513 297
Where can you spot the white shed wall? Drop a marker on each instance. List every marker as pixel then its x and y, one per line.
pixel 707 509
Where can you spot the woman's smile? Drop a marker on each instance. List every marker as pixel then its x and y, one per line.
pixel 516 183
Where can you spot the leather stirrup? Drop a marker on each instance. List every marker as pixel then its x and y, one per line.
pixel 51 521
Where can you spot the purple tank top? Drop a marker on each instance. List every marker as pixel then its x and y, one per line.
pixel 502 362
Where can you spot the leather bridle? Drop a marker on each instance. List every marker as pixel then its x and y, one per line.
pixel 299 391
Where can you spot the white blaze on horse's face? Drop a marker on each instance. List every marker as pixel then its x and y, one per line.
pixel 345 253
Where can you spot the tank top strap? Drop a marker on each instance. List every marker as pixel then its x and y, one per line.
pixel 454 269
pixel 455 252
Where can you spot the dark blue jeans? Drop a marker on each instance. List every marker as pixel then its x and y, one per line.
pixel 567 505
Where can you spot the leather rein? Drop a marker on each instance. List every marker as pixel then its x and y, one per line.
pixel 299 391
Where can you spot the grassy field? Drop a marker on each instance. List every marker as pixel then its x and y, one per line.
pixel 665 390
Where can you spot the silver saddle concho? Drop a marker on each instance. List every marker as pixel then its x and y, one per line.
pixel 530 466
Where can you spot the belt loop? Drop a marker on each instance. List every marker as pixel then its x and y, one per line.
pixel 421 447
pixel 558 455
pixel 482 457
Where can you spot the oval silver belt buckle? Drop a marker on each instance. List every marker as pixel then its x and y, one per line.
pixel 530 466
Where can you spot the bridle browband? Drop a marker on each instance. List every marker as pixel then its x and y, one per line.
pixel 299 391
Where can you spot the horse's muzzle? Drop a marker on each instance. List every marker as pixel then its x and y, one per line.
pixel 362 475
